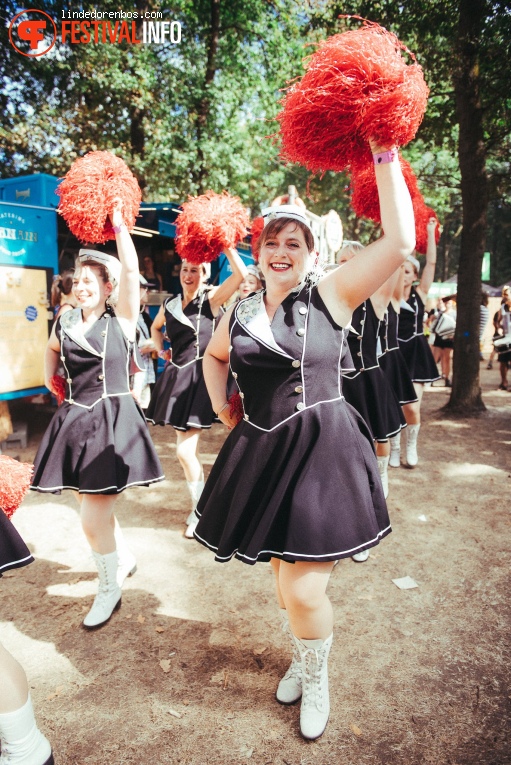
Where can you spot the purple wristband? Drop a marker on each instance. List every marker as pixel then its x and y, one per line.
pixel 384 157
pixel 118 229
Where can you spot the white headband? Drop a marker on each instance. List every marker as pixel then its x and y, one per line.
pixel 113 265
pixel 415 262
pixel 285 211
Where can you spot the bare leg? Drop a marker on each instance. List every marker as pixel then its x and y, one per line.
pixel 97 514
pixel 302 587
pixel 13 683
pixel 187 453
pixel 382 448
pixel 412 412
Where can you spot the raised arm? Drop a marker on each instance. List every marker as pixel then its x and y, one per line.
pixel 348 286
pixel 382 297
pixel 219 295
pixel 215 365
pixel 128 304
pixel 428 273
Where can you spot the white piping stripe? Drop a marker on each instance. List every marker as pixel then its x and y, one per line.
pixel 295 414
pixel 14 563
pixel 98 491
pixel 297 554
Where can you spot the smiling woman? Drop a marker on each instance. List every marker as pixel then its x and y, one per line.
pixel 180 397
pixel 266 498
pixel 97 443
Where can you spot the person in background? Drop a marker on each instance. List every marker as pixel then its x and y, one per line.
pixel 414 346
pixel 251 283
pixel 143 379
pixel 483 321
pixel 153 278
pixel 62 298
pixel 502 324
pixel 180 398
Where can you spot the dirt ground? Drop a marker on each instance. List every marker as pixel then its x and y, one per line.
pixel 185 672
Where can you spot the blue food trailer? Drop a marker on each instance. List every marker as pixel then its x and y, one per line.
pixel 28 262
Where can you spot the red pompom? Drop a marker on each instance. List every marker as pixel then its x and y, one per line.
pixel 366 204
pixel 208 225
pixel 256 229
pixel 357 86
pixel 14 483
pixel 88 191
pixel 58 388
pixel 236 407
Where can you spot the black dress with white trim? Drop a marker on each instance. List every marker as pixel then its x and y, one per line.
pixel 98 441
pixel 412 343
pixel 392 361
pixel 297 478
pixel 366 388
pixel 13 551
pixel 180 397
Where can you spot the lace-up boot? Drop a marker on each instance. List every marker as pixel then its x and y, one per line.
pixel 21 740
pixel 395 451
pixel 290 687
pixel 108 598
pixel 315 708
pixel 195 488
pixel 412 433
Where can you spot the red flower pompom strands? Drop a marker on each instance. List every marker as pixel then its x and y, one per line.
pixel 208 225
pixel 58 388
pixel 14 483
pixel 357 86
pixel 87 195
pixel 256 229
pixel 365 201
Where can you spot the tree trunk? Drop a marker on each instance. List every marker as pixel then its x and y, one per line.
pixel 466 391
pixel 200 169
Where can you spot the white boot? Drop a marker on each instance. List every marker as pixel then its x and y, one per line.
pixel 395 451
pixel 290 687
pixel 127 563
pixel 315 708
pixel 108 598
pixel 361 556
pixel 22 741
pixel 195 488
pixel 383 464
pixel 412 433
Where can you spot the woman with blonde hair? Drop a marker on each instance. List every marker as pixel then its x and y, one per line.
pixel 97 443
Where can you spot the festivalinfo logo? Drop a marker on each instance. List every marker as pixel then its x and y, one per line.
pixel 33 33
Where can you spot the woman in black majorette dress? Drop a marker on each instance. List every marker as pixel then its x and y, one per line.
pixel 365 386
pixel 98 443
pixel 21 740
pixel 180 397
pixel 414 345
pixel 296 482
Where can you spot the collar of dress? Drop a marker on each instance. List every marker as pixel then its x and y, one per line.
pixel 73 326
pixel 251 314
pixel 175 307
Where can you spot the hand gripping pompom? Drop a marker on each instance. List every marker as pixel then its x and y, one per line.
pixel 208 225
pixel 357 86
pixel 87 195
pixel 14 483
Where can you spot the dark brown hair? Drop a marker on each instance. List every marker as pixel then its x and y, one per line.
pixel 62 285
pixel 276 225
pixel 102 270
